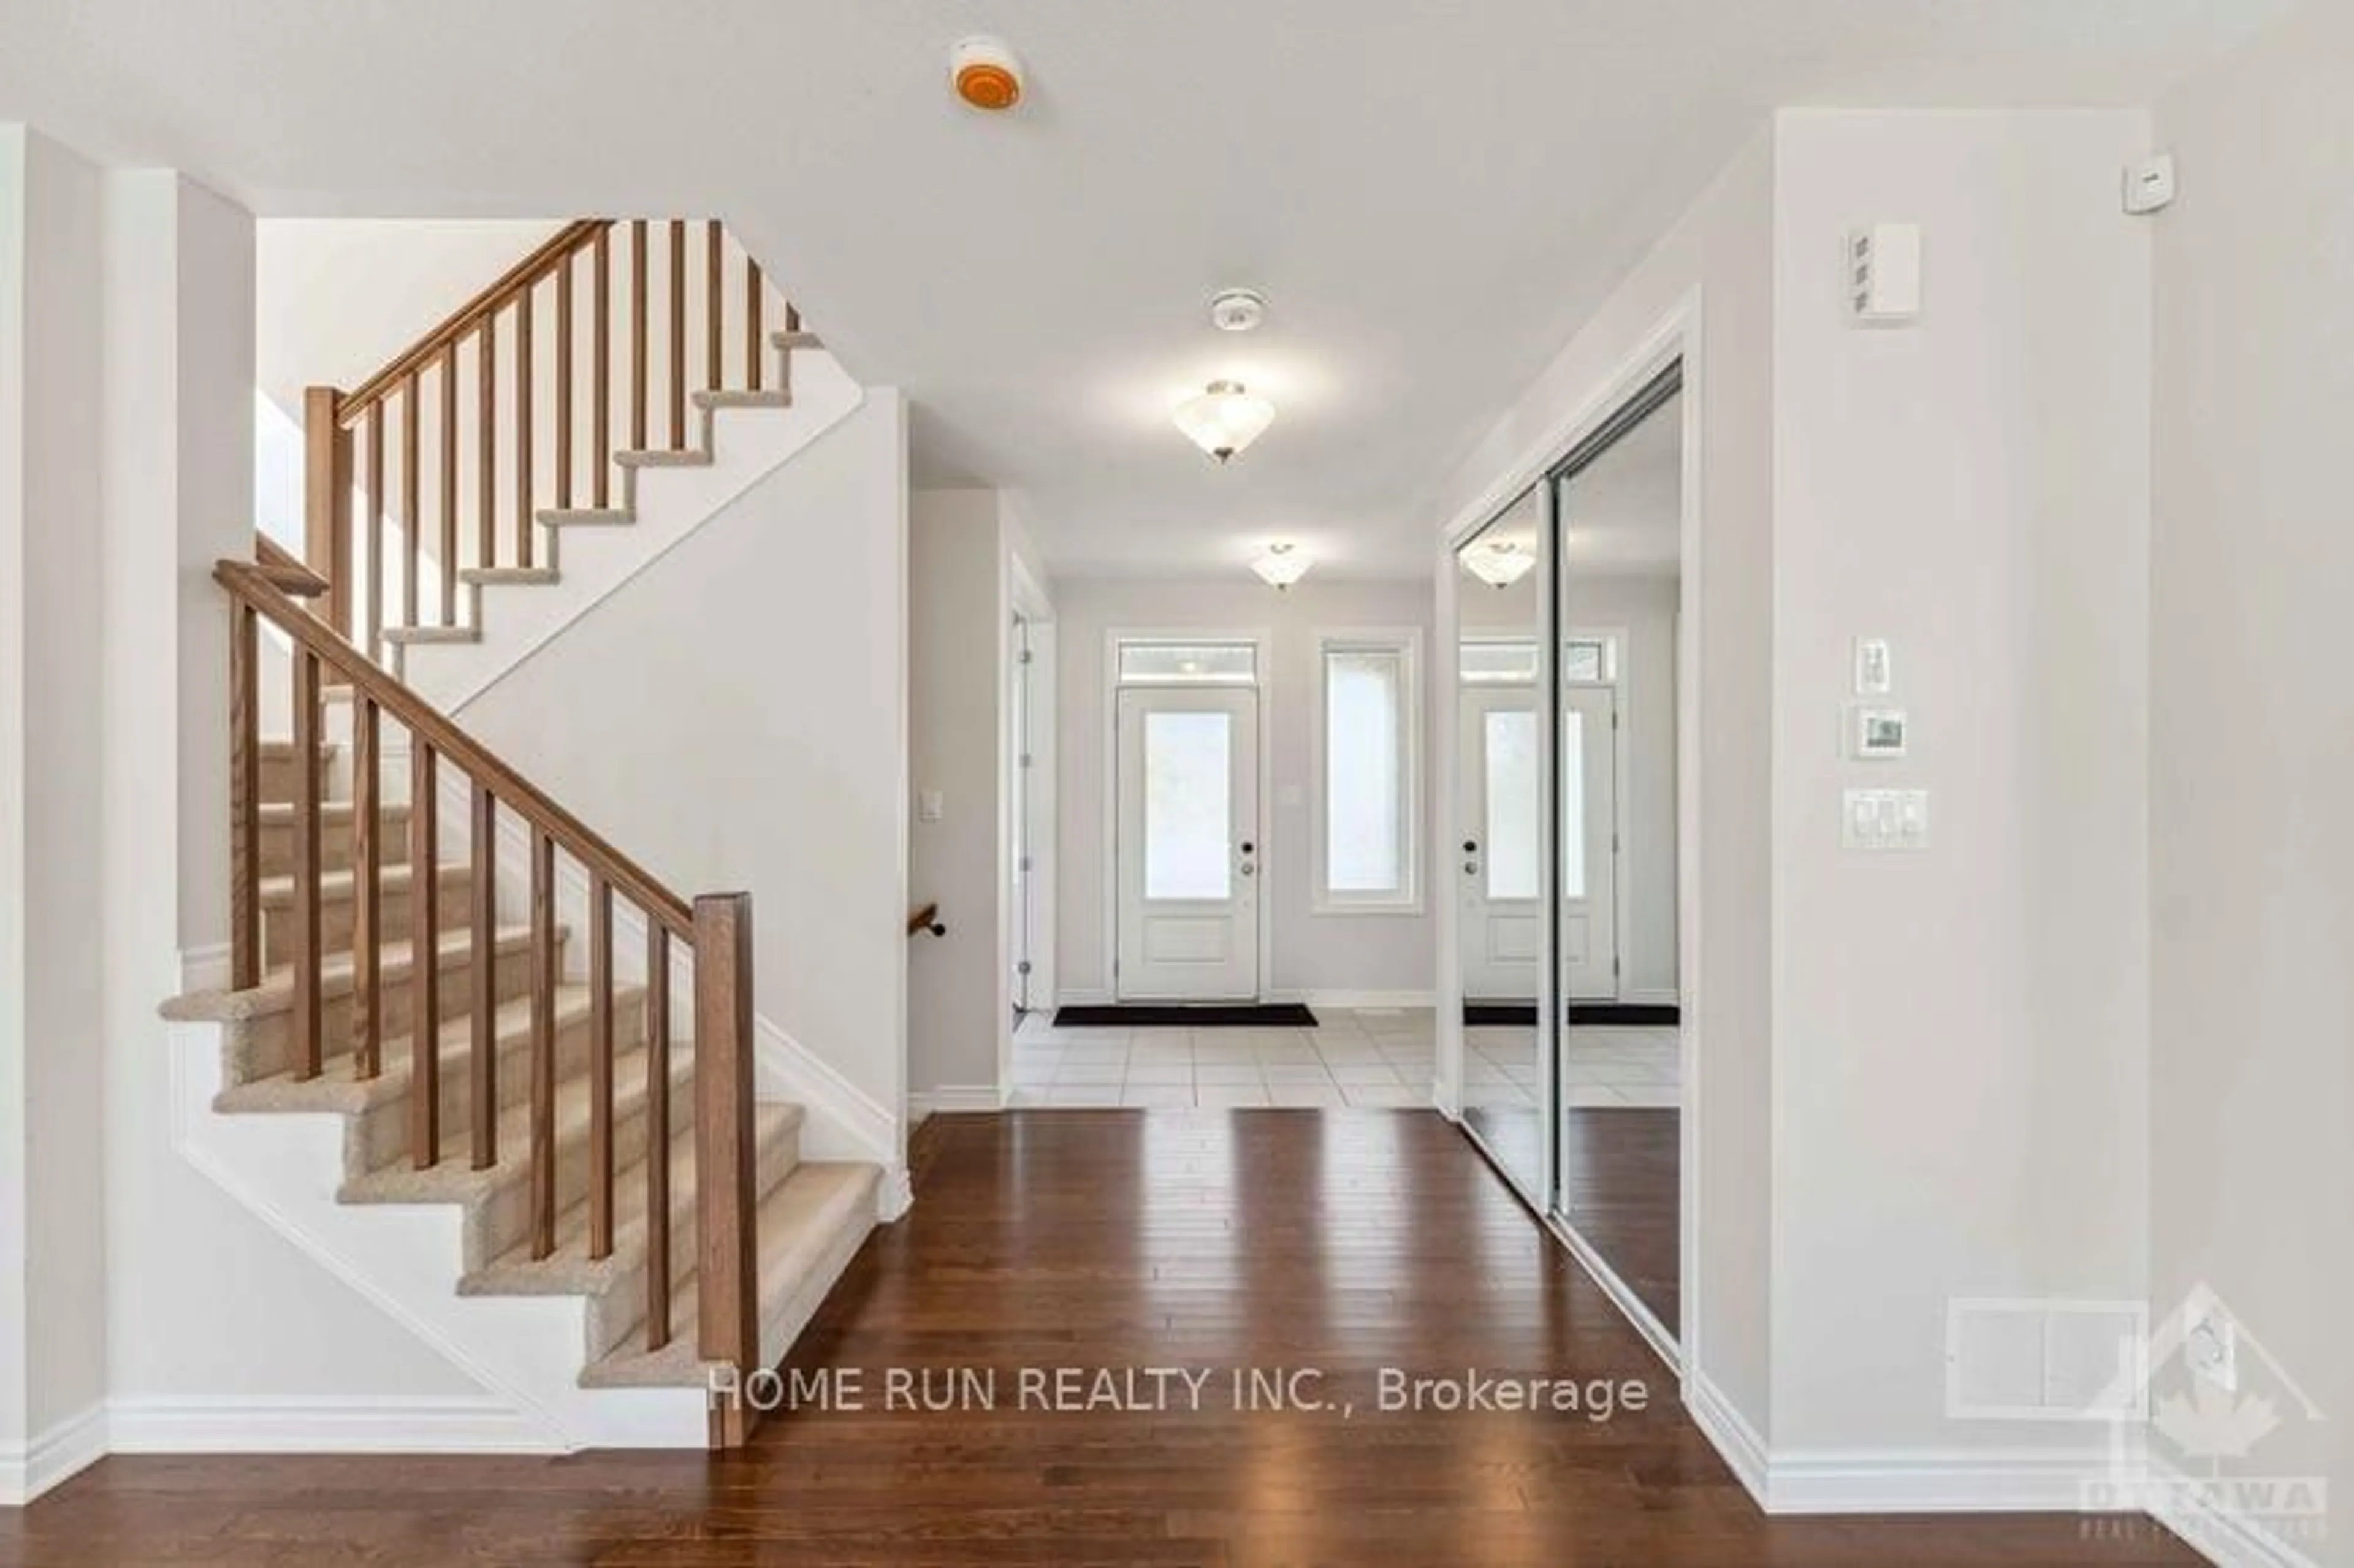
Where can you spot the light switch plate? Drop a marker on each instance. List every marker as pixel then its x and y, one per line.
pixel 1885 820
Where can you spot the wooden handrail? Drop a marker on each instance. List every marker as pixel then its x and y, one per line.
pixel 258 588
pixel 573 237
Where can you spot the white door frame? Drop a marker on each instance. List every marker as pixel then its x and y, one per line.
pixel 1678 336
pixel 1021 594
pixel 1273 868
pixel 1621 642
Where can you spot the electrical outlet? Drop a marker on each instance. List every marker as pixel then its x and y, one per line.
pixel 2211 1345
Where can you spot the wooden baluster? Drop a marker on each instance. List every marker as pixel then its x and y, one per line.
pixel 658 1117
pixel 412 507
pixel 600 404
pixel 638 335
pixel 564 383
pixel 600 1071
pixel 526 517
pixel 367 882
pixel 483 1051
pixel 677 332
pixel 245 796
pixel 752 347
pixel 543 1045
pixel 424 961
pixel 326 503
pixel 448 563
pixel 308 947
pixel 486 443
pixel 374 645
pixel 728 1324
pixel 712 289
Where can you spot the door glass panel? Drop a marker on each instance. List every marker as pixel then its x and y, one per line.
pixel 1572 804
pixel 1188 805
pixel 1512 758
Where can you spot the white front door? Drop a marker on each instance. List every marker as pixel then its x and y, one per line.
pixel 1589 844
pixel 1498 879
pixel 1187 845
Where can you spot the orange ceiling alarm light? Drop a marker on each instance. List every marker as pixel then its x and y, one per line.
pixel 987 75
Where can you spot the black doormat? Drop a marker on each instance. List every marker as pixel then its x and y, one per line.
pixel 1179 1015
pixel 1629 1014
pixel 1593 1014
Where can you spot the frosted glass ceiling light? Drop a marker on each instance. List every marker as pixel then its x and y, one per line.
pixel 1498 565
pixel 1282 566
pixel 1225 418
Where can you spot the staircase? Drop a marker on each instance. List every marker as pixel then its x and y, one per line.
pixel 574 403
pixel 539 1145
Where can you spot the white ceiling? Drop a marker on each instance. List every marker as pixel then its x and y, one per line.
pixel 1434 192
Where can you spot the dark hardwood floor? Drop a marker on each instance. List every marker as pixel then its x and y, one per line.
pixel 1621 1180
pixel 1339 1240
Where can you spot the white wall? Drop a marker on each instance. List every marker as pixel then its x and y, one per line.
pixel 1961 1035
pixel 339 297
pixel 2252 760
pixel 1718 261
pixel 1643 609
pixel 956 701
pixel 1360 953
pixel 52 1229
pixel 735 717
pixel 204 1302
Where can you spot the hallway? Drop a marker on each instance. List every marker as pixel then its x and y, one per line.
pixel 1339 1241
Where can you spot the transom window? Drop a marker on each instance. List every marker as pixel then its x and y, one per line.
pixel 1188 665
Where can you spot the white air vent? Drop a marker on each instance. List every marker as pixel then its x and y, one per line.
pixel 2026 1360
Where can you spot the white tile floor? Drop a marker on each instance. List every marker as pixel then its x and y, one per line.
pixel 1608 1066
pixel 1378 1056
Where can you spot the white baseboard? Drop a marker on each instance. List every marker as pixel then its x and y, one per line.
pixel 1934 1481
pixel 1662 996
pixel 1088 998
pixel 2223 1534
pixel 64 1450
pixel 391 1424
pixel 1729 1432
pixel 952 1099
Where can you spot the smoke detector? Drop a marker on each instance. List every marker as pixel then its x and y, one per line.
pixel 1237 310
pixel 986 74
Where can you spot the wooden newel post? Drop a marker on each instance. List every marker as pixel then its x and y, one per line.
pixel 727 1291
pixel 327 503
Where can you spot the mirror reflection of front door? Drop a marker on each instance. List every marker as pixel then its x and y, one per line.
pixel 1187 845
pixel 1589 844
pixel 1497 880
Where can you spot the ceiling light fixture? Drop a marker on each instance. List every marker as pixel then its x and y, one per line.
pixel 1500 563
pixel 1237 310
pixel 1282 566
pixel 1225 418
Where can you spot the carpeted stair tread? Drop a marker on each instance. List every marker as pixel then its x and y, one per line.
pixel 570 1270
pixel 275 994
pixel 341 886
pixel 808 1228
pixel 338 1088
pixel 455 1181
